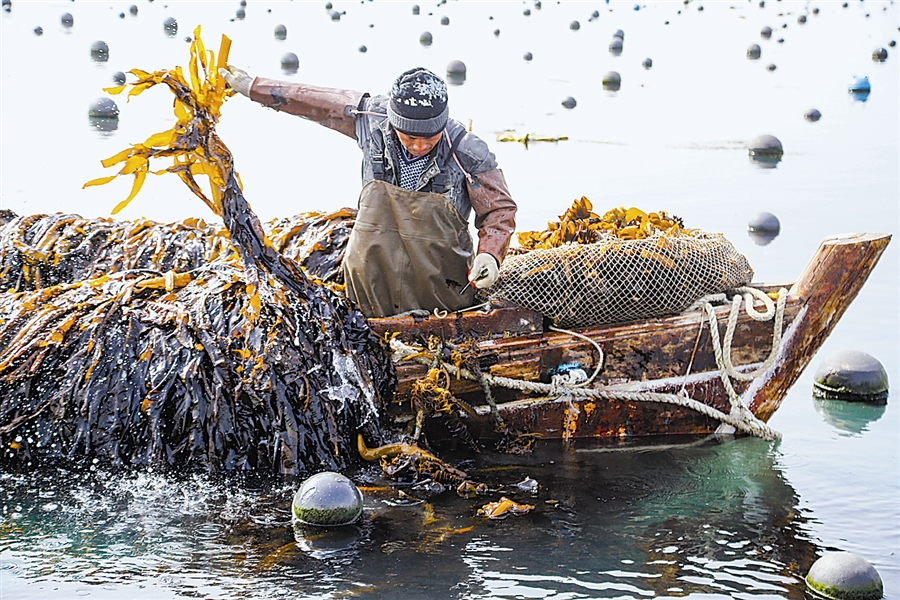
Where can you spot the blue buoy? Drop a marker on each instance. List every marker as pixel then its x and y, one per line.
pixel 845 576
pixel 569 102
pixel 853 376
pixel 327 499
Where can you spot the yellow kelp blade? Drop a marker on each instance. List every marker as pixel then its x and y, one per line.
pixel 99 181
pixel 139 177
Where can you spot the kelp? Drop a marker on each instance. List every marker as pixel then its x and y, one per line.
pixel 192 355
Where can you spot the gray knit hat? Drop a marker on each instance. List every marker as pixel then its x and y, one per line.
pixel 418 103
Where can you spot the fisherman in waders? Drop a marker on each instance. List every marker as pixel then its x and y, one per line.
pixel 423 174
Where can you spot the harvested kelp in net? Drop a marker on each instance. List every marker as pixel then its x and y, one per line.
pixel 626 265
pixel 233 365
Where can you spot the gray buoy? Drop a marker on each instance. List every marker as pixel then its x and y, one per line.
pixel 762 3
pixel 7 5
pixel 526 12
pixel 133 9
pixel 619 34
pixel 496 32
pixel 329 6
pixel 879 55
pixel 754 52
pixel 188 38
pixel 764 222
pixel 104 124
pixel 766 151
pixel 537 4
pixel 118 78
pixel 612 81
pixel 569 102
pixel 327 499
pixel 615 46
pixel 170 25
pixel 812 115
pixel 335 16
pixel 845 576
pixel 574 25
pixel 121 15
pixel 99 51
pixel 815 11
pixel 766 32
pixel 851 375
pixel 38 30
pixel 801 19
pixel 426 38
pixel 104 108
pixel 240 13
pixel 280 32
pixel 528 56
pixel 363 49
pixel 67 20
pixel 456 67
pixel 445 20
pixel 770 67
pixel 415 9
pixel 243 2
pixel 595 14
pixel 647 63
pixel 290 63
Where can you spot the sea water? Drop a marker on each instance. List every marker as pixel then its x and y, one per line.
pixel 676 517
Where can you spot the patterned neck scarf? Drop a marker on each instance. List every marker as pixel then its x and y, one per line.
pixel 411 167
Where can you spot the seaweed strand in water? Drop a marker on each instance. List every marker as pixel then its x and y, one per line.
pixel 234 364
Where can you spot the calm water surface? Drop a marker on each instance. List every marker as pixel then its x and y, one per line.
pixel 682 517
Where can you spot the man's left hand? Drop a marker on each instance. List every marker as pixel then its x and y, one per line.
pixel 485 271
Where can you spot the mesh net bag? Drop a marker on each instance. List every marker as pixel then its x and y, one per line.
pixel 614 280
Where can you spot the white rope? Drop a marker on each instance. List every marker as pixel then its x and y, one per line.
pixel 600 355
pixel 740 416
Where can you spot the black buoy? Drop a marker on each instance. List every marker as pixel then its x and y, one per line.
pixel 844 5
pixel 612 81
pixel 892 43
pixel 815 10
pixel 537 4
pixel 456 72
pixel 853 376
pixel 615 46
pixel 415 9
pixel 103 108
pixel 780 40
pixel 240 13
pixel 801 19
pixel 770 67
pixel 569 102
pixel 762 3
pixel 527 12
pixel 290 63
pixel 363 49
pixel 879 55
pixel 99 51
pixel 280 32
pixel 496 32
pixel 754 52
pixel 426 38
pixel 647 63
pixel 38 30
pixel 699 8
pixel 170 25
pixel 574 25
pixel 118 78
pixel 766 32
pixel 121 15
pixel 528 56
pixel 445 20
pixel 67 20
pixel 133 9
pixel 335 15
pixel 243 2
pixel 812 115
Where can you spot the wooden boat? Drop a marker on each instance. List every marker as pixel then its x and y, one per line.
pixel 663 355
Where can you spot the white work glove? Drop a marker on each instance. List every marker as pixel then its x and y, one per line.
pixel 484 271
pixel 239 80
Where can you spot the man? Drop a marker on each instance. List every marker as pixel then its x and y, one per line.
pixel 423 175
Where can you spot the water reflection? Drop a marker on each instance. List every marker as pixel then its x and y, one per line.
pixel 859 96
pixel 762 238
pixel 764 161
pixel 849 418
pixel 104 124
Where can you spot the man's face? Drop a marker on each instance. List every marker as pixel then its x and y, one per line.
pixel 418 145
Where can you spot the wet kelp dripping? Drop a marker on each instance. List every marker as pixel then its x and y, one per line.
pixel 234 364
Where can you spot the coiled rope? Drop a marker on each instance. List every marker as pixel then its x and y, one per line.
pixel 739 417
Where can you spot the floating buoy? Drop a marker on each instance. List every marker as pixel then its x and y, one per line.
pixel 574 25
pixel 615 46
pixel 637 7
pixel 118 78
pixel 7 5
pixel 766 151
pixel 892 43
pixel 612 81
pixel 415 9
pixel 851 375
pixel 456 72
pixel 280 32
pixel 860 85
pixel 329 6
pixel 133 9
pixel 67 20
pixel 762 3
pixel 104 108
pixel 770 67
pixel 38 30
pixel 526 12
pixel 815 11
pixel 327 499
pixel 700 8
pixel 170 26
pixel 845 576
pixel 595 14
pixel 619 34
pixel 445 20
pixel 363 49
pixel 99 51
pixel 496 32
pixel 240 13
pixel 335 15
pixel 569 102
pixel 290 62
pixel 812 115
pixel 528 56
pixel 243 2
pixel 801 19
pixel 426 38
pixel 766 32
pixel 121 15
pixel 754 52
pixel 879 55
pixel 780 40
pixel 764 222
pixel 647 63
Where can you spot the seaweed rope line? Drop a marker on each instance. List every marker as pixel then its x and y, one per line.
pixel 740 416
